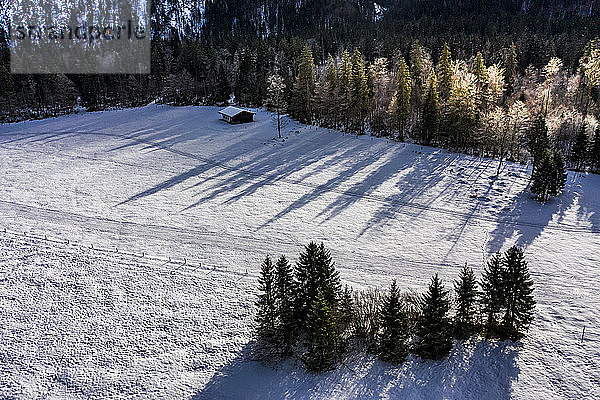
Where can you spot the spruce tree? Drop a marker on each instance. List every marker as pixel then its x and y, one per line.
pixel 402 111
pixel 267 309
pixel 579 151
pixel 321 336
pixel 304 86
pixel 331 79
pixel 542 179
pixel 435 329
pixel 510 68
pixel 360 93
pixel 480 72
pixel 537 141
pixel 518 294
pixel 345 88
pixel 284 294
pixel 445 72
pixel 594 155
pixel 431 112
pixel 559 173
pixel 345 314
pixel 492 294
pixel 315 272
pixel 394 335
pixel 465 320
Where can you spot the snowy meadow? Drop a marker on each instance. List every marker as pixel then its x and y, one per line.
pixel 131 242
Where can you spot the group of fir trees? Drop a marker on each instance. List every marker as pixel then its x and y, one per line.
pixel 303 311
pixel 585 152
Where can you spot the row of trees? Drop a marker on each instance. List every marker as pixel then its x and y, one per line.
pixel 303 311
pixel 465 105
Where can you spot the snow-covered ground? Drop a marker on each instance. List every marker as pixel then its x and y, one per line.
pixel 134 239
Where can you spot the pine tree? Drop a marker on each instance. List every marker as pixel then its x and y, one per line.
pixel 492 294
pixel 431 112
pixel 519 301
pixel 284 294
pixel 267 311
pixel 445 72
pixel 465 320
pixel 435 329
pixel 594 155
pixel 416 64
pixel 321 336
pixel 394 335
pixel 579 152
pixel 402 111
pixel 510 68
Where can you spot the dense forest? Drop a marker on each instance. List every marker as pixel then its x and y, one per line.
pixel 468 75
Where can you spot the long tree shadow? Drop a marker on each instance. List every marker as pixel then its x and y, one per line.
pixel 588 192
pixel 528 218
pixel 474 370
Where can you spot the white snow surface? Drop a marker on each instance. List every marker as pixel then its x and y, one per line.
pixel 134 240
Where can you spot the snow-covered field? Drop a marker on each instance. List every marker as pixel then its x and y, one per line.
pixel 134 239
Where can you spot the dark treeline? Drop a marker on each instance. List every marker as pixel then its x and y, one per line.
pixel 305 313
pixel 472 76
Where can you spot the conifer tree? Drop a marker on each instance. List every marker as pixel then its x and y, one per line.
pixel 492 294
pixel 594 155
pixel 360 93
pixel 402 111
pixel 345 88
pixel 321 336
pixel 537 141
pixel 267 310
pixel 345 315
pixel 542 178
pixel 480 72
pixel 416 64
pixel 431 112
pixel 510 68
pixel 331 80
pixel 435 329
pixel 465 320
pixel 579 152
pixel 315 272
pixel 304 86
pixel 445 72
pixel 559 173
pixel 284 294
pixel 519 301
pixel 394 335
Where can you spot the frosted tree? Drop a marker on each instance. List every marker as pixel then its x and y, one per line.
pixel 380 99
pixel 551 70
pixel 495 85
pixel 276 98
pixel 462 106
pixel 590 66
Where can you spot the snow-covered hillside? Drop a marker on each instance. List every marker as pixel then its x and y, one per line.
pixel 168 213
